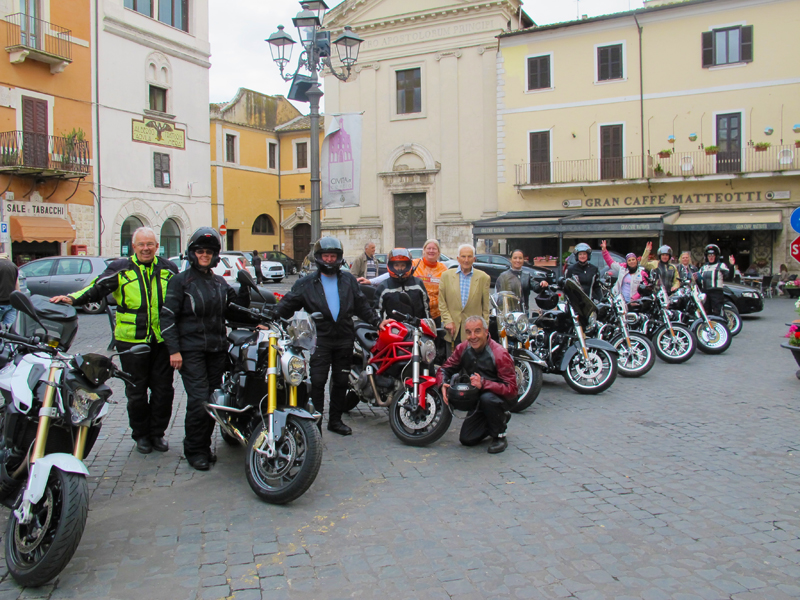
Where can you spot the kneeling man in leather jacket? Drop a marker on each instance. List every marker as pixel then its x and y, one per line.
pixel 490 368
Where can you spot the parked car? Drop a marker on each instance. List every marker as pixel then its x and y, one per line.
pixel 272 271
pixel 380 260
pixel 227 266
pixel 60 275
pixel 500 263
pixel 746 299
pixel 243 259
pixel 443 258
pixel 289 265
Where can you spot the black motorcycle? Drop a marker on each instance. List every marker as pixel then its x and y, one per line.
pixel 559 337
pixel 636 354
pixel 712 332
pixel 651 315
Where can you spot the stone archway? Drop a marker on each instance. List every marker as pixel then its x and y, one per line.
pixel 133 208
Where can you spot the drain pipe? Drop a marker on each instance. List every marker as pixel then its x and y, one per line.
pixel 641 92
pixel 98 176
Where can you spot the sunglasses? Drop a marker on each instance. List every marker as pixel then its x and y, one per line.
pixel 204 251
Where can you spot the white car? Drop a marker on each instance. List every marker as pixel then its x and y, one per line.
pixel 272 271
pixel 241 260
pixel 227 267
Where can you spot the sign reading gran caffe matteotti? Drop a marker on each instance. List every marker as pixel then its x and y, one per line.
pixel 730 198
pixel 158 133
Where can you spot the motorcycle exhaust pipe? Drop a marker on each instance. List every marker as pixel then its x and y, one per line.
pixel 378 398
pixel 212 410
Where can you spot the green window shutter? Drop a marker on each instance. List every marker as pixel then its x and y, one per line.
pixel 708 49
pixel 747 43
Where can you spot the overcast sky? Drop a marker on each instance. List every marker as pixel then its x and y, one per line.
pixel 241 58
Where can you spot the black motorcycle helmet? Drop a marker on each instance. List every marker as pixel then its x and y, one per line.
pixel 547 300
pixel 711 249
pixel 399 264
pixel 326 245
pixel 664 250
pixel 582 247
pixel 205 237
pixel 462 396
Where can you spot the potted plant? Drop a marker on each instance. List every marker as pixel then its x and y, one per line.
pixel 792 288
pixel 664 153
pixel 793 337
pixel 8 157
pixel 761 146
pixel 658 171
pixel 797 143
pixel 69 155
pixel 710 150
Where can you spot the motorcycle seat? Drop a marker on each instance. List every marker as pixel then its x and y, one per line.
pixel 237 337
pixel 367 337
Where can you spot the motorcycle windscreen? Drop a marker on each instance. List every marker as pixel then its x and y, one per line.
pixel 580 302
pixel 507 302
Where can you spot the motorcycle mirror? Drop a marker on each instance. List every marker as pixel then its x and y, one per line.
pixel 561 281
pixel 136 350
pixel 23 304
pixel 244 278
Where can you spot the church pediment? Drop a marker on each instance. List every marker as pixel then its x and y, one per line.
pixel 368 12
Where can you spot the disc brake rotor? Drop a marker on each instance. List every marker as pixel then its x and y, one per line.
pixel 590 369
pixel 711 335
pixel 34 532
pixel 416 417
pixel 282 462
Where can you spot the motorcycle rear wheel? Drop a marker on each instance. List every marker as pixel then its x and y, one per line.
pixel 678 350
pixel 714 341
pixel 289 474
pixel 594 376
pixel 529 384
pixel 639 360
pixel 414 427
pixel 38 551
pixel 731 313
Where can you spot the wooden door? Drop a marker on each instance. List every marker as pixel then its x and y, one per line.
pixel 301 242
pixel 611 152
pixel 410 220
pixel 729 142
pixel 540 157
pixel 34 132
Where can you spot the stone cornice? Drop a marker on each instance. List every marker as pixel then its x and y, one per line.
pixel 156 41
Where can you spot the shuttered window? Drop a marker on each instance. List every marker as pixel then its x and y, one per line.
pixel 35 141
pixel 609 62
pixel 611 152
pixel 302 155
pixel 230 148
pixel 539 72
pixel 540 156
pixel 272 156
pixel 161 175
pixel 727 46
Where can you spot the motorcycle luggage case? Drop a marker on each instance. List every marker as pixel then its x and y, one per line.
pixel 61 321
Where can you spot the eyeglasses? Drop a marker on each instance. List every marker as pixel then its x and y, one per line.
pixel 204 251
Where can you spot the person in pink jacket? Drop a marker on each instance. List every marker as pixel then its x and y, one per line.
pixel 629 274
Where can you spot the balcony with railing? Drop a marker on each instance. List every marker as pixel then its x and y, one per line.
pixel 676 164
pixel 26 153
pixel 29 37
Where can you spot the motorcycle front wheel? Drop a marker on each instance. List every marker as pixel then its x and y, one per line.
pixel 287 475
pixel 594 375
pixel 714 339
pixel 731 313
pixel 674 350
pixel 529 384
pixel 38 551
pixel 415 426
pixel 636 360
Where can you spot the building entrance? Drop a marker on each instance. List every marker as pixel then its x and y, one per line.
pixel 410 220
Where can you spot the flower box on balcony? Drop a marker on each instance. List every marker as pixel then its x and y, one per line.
pixel 797 143
pixel 711 150
pixel 664 153
pixel 761 146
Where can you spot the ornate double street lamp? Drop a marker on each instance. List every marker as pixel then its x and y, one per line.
pixel 316 56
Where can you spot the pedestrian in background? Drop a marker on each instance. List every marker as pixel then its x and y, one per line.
pixel 257 266
pixel 364 265
pixel 139 285
pixel 9 281
pixel 463 292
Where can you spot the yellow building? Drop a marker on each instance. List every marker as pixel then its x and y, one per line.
pixel 676 123
pixel 260 174
pixel 46 168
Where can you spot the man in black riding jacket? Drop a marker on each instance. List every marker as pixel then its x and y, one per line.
pixel 335 294
pixel 584 272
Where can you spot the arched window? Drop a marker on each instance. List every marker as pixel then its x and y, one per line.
pixel 263 225
pixel 130 225
pixel 170 239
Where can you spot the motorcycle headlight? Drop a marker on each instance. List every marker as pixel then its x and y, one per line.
pixel 294 368
pixel 592 320
pixel 85 406
pixel 701 297
pixel 428 351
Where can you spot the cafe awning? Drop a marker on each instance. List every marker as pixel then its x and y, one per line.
pixel 727 221
pixel 41 229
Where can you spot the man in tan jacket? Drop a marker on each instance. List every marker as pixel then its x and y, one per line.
pixel 463 292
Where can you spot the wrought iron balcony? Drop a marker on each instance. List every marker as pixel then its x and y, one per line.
pixel 29 37
pixel 676 164
pixel 26 153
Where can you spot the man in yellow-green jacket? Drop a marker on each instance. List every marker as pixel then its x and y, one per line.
pixel 139 285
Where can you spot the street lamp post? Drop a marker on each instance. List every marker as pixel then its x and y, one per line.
pixel 316 55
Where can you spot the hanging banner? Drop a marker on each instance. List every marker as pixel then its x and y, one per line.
pixel 341 161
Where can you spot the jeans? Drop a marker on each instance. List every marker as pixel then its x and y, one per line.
pixel 7 314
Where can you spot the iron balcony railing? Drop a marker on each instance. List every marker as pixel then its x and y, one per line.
pixel 25 151
pixel 675 164
pixel 25 31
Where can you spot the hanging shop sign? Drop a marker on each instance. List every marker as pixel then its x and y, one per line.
pixel 158 133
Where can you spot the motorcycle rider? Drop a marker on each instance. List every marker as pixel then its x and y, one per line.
pixel 584 272
pixel 712 276
pixel 193 320
pixel 517 281
pixel 685 267
pixel 666 272
pixel 388 295
pixel 139 285
pixel 489 368
pixel 629 274
pixel 335 294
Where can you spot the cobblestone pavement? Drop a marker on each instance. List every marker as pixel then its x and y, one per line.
pixel 681 485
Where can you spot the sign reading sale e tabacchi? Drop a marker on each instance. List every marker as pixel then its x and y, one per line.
pixel 158 133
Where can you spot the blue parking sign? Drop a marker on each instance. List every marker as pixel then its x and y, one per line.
pixel 794 220
pixel 3 227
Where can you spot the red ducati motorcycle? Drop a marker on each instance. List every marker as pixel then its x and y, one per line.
pixel 391 368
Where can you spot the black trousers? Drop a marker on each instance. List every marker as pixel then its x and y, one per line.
pixel 202 373
pixel 489 419
pixel 715 300
pixel 330 356
pixel 148 417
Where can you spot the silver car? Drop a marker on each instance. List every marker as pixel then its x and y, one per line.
pixel 61 275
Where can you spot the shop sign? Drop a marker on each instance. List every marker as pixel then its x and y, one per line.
pixel 158 133
pixel 34 209
pixel 676 199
